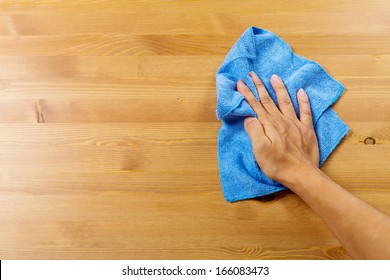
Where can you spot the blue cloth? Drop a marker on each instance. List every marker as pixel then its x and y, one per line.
pixel 265 53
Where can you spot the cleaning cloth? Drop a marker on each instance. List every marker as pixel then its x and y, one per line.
pixel 266 54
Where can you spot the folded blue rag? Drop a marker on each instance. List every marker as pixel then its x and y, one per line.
pixel 265 53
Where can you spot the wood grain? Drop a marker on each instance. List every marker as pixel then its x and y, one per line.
pixel 108 133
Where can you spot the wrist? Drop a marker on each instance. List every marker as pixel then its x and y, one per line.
pixel 299 175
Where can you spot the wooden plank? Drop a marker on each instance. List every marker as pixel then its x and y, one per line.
pixel 153 149
pixel 84 87
pixel 180 146
pixel 175 109
pixel 110 183
pixel 365 108
pixel 122 134
pixel 197 252
pixel 379 132
pixel 17 67
pixel 179 108
pixel 161 157
pixel 229 6
pixel 203 87
pixel 18 111
pixel 168 22
pixel 127 45
pixel 92 218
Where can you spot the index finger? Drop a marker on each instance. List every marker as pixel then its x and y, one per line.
pixel 251 99
pixel 305 114
pixel 265 100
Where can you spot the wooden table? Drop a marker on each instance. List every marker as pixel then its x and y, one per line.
pixel 108 134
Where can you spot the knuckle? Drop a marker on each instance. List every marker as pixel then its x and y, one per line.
pixel 259 84
pixel 266 100
pixel 285 103
pixel 309 134
pixel 307 113
pixel 280 125
pixel 253 102
pixel 287 124
pixel 285 121
pixel 280 87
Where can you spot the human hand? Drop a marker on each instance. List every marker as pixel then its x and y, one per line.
pixel 282 143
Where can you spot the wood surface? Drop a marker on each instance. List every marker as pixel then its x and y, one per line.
pixel 108 133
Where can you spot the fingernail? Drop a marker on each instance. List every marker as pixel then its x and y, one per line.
pixel 249 120
pixel 275 78
pixel 252 74
pixel 240 85
pixel 302 93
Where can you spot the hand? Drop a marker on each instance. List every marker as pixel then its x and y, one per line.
pixel 281 143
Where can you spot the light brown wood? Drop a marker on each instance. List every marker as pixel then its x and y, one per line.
pixel 108 133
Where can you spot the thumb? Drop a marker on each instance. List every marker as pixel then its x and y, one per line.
pixel 254 128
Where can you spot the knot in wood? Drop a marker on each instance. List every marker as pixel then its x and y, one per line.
pixel 369 141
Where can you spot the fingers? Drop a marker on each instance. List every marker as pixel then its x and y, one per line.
pixel 305 115
pixel 251 99
pixel 284 101
pixel 265 99
pixel 266 107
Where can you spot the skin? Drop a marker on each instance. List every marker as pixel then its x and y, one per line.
pixel 286 149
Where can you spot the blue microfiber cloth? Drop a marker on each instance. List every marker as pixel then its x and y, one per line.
pixel 265 53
